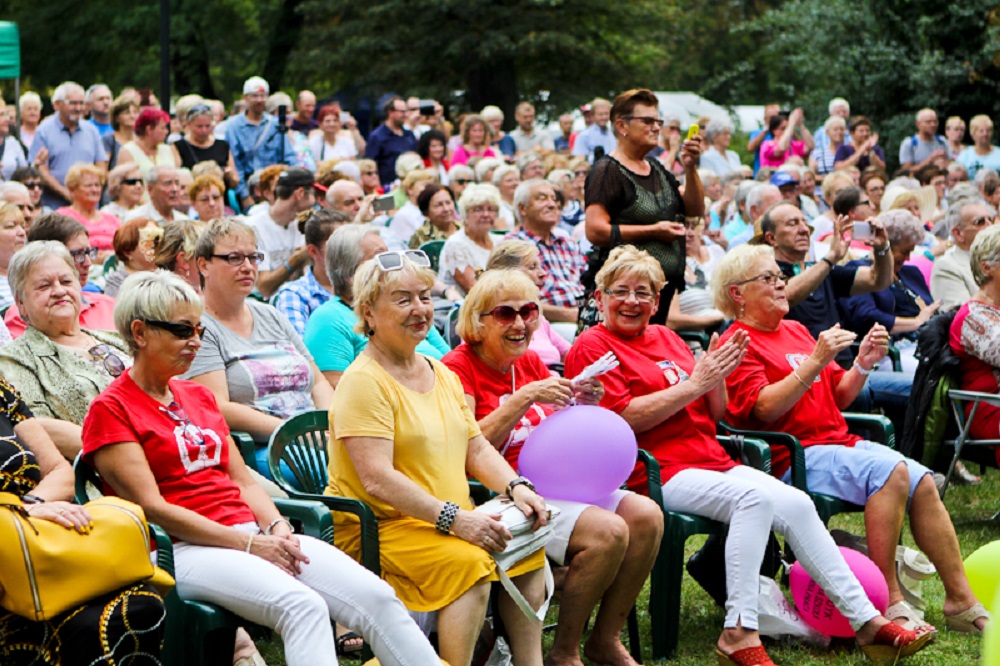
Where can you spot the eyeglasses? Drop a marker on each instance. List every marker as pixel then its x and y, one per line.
pixel 646 120
pixel 770 279
pixel 866 202
pixel 464 181
pixel 581 172
pixel 132 181
pixel 506 314
pixel 237 258
pixel 480 210
pixel 393 260
pixel 80 256
pixel 114 365
pixel 622 294
pixel 674 128
pixel 876 188
pixel 33 184
pixel 178 330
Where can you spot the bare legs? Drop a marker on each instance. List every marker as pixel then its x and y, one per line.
pixel 459 624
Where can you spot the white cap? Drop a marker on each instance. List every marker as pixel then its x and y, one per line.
pixel 256 84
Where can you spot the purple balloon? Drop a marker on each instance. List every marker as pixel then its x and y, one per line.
pixel 582 453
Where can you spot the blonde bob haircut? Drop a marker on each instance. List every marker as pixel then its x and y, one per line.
pixel 735 267
pixel 633 262
pixel 985 250
pixel 511 254
pixel 150 296
pixel 491 288
pixel 79 170
pixel 370 280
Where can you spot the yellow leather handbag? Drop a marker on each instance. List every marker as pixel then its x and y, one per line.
pixel 47 569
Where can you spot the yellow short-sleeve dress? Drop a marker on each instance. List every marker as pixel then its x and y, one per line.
pixel 430 433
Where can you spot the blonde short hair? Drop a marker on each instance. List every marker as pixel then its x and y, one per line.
pixel 178 236
pixel 629 260
pixel 218 229
pixel 831 181
pixel 982 120
pixel 150 295
pixel 985 249
pixel 370 280
pixel 491 288
pixel 733 268
pixel 79 170
pixel 417 176
pixel 511 254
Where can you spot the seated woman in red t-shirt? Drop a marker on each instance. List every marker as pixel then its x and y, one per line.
pixel 673 403
pixel 975 333
pixel 161 442
pixel 609 547
pixel 789 382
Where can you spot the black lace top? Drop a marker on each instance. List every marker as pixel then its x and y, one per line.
pixel 19 471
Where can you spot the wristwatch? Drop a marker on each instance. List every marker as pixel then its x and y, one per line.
pixel 519 481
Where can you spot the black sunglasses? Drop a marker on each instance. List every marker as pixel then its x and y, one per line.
pixel 505 314
pixel 464 181
pixel 33 184
pixel 132 181
pixel 178 330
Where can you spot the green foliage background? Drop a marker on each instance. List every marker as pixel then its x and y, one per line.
pixel 888 57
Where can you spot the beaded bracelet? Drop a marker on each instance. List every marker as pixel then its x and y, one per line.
pixel 447 516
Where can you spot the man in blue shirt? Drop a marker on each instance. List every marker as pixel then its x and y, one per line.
pixel 68 141
pixel 390 140
pixel 598 134
pixel 99 103
pixel 758 137
pixel 254 138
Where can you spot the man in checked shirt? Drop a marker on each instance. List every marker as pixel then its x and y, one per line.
pixel 537 211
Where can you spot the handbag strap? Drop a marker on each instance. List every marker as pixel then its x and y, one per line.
pixel 518 598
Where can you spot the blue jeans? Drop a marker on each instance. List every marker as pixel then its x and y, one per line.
pixel 889 391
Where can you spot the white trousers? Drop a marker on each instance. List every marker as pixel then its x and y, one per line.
pixel 299 608
pixel 754 503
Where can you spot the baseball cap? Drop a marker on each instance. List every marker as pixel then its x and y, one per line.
pixel 782 178
pixel 256 84
pixel 296 177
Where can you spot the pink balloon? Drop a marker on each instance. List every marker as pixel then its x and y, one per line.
pixel 817 609
pixel 582 453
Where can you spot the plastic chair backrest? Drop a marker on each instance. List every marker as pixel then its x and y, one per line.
pixel 433 251
pixel 110 264
pixel 300 443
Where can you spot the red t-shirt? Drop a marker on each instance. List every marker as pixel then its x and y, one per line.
pixel 189 459
pixel 491 388
pixel 772 356
pixel 974 337
pixel 656 360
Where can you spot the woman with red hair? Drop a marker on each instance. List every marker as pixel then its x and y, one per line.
pixel 333 141
pixel 148 148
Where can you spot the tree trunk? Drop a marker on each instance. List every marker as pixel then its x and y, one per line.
pixel 493 81
pixel 287 30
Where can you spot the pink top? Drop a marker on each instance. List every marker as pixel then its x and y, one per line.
pixel 769 159
pixel 549 345
pixel 462 156
pixel 102 232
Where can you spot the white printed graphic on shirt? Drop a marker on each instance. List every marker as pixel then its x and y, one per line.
pixel 673 372
pixel 795 360
pixel 205 445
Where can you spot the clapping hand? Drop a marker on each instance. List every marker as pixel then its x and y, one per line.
pixel 716 364
pixel 831 342
pixel 874 347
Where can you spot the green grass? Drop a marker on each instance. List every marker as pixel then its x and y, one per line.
pixel 701 620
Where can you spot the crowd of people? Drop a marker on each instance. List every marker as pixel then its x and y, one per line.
pixel 169 278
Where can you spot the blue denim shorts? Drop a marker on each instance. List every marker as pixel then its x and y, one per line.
pixel 854 474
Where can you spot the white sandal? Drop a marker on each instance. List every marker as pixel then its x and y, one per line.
pixel 965 622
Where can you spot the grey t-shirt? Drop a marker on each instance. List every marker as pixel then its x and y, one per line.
pixel 269 371
pixel 914 150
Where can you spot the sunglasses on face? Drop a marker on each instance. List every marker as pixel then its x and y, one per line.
pixel 464 181
pixel 647 120
pixel 33 184
pixel 132 181
pixel 178 330
pixel 505 314
pixel 393 260
pixel 80 256
pixel 237 258
pixel 114 365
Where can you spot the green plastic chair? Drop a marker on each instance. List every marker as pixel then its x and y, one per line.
pixel 198 633
pixel 433 251
pixel 668 570
pixel 874 426
pixel 110 265
pixel 701 338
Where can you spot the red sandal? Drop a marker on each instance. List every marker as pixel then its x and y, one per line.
pixel 892 643
pixel 751 656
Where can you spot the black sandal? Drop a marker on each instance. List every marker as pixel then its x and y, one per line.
pixel 345 645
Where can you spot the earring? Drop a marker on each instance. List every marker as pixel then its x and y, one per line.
pixel 743 310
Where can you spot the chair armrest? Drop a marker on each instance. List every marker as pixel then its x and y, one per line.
pixel 314 517
pixel 164 549
pixel 893 354
pixel 245 443
pixel 881 426
pixel 366 519
pixel 796 451
pixel 988 398
pixel 757 452
pixel 652 476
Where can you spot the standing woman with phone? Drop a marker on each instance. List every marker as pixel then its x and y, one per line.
pixel 631 198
